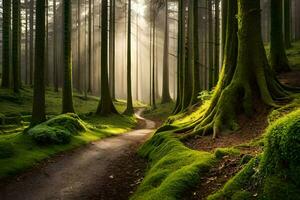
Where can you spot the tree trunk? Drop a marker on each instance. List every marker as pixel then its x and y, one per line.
pixel 16 46
pixel 31 45
pixel 46 45
pixel 106 105
pixel 55 70
pixel 224 23
pixel 26 41
pixel 89 89
pixel 6 44
pixel 38 106
pixel 278 58
pixel 166 98
pixel 79 45
pixel 287 23
pixel 153 104
pixel 245 82
pixel 67 100
pixel 181 56
pixel 210 46
pixel 129 109
pixel 217 42
pixel 112 48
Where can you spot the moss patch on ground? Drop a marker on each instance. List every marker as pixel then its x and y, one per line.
pixel 22 152
pixel 275 174
pixel 294 55
pixel 162 112
pixel 174 168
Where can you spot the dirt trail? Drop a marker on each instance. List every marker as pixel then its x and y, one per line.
pixel 81 174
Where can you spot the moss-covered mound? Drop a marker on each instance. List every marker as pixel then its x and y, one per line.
pixel 6 150
pixel 57 130
pixel 174 168
pixel 276 175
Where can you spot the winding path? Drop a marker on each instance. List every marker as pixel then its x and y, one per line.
pixel 78 174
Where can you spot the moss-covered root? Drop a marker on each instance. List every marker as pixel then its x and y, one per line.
pixel 174 168
pixel 276 175
pixel 253 79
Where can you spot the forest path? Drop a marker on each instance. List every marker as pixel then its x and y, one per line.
pixel 85 173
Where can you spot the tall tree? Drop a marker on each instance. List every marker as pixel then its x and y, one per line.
pixel 112 48
pixel 244 82
pixel 165 86
pixel 224 23
pixel 89 89
pixel 79 45
pixel 6 43
pixel 278 58
pixel 129 109
pixel 16 46
pixel 153 97
pixel 106 105
pixel 196 69
pixel 38 107
pixel 181 52
pixel 55 68
pixel 26 40
pixel 287 23
pixel 31 42
pixel 217 42
pixel 67 100
pixel 187 70
pixel 210 45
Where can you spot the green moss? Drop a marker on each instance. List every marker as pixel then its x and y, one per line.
pixel 294 55
pixel 174 168
pixel 6 150
pixel 242 195
pixel 276 175
pixel 221 152
pixel 161 112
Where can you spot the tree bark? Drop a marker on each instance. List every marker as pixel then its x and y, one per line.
pixel 67 101
pixel 6 44
pixel 129 109
pixel 16 46
pixel 278 58
pixel 166 98
pixel 38 107
pixel 217 42
pixel 112 49
pixel 106 105
pixel 287 23
pixel 31 45
pixel 55 70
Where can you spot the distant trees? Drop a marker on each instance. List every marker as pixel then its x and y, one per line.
pixel 6 44
pixel 38 108
pixel 67 100
pixel 106 105
pixel 287 23
pixel 278 58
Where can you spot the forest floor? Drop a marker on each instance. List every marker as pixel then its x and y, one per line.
pixel 107 169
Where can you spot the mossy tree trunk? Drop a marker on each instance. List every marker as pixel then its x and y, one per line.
pixel 106 105
pixel 129 109
pixel 67 100
pixel 16 46
pixel 6 44
pixel 165 87
pixel 246 76
pixel 181 56
pixel 38 107
pixel 196 66
pixel 278 58
pixel 287 23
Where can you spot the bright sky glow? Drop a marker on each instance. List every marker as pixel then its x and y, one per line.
pixel 139 7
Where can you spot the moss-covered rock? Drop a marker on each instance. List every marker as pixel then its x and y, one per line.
pixel 57 130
